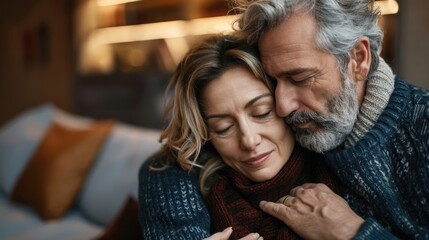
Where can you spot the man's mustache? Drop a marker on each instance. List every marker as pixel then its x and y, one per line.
pixel 306 116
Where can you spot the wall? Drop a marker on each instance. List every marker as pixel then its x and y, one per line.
pixel 413 42
pixel 35 59
pixel 30 76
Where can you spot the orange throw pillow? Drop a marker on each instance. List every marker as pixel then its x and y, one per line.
pixel 52 179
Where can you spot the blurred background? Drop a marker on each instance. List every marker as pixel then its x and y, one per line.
pixel 113 58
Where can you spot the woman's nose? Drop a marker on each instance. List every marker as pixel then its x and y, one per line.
pixel 250 137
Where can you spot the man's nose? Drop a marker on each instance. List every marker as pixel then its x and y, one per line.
pixel 286 98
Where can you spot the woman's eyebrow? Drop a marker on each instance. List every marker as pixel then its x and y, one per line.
pixel 248 104
pixel 216 116
pixel 251 102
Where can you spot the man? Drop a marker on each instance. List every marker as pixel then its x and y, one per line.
pixel 343 100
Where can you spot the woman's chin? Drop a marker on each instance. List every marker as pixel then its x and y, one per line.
pixel 262 176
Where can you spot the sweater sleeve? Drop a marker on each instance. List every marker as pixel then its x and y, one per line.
pixel 371 229
pixel 170 204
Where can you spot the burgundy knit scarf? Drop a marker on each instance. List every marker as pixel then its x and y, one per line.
pixel 234 199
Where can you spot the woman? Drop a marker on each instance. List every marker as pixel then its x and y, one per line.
pixel 223 122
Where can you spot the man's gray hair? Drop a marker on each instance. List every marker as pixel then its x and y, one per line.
pixel 341 23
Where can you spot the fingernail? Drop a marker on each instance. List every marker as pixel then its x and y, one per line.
pixel 261 203
pixel 256 235
pixel 227 229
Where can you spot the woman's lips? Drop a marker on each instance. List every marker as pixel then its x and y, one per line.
pixel 258 160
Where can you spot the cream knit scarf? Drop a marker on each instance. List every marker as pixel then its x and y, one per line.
pixel 379 87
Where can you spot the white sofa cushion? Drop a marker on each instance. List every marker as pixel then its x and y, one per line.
pixel 15 218
pixel 71 226
pixel 114 175
pixel 19 139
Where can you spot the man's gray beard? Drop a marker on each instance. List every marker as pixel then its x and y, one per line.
pixel 334 127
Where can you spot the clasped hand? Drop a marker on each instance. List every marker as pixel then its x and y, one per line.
pixel 311 210
pixel 314 211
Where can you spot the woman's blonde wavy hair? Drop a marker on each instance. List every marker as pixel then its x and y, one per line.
pixel 186 137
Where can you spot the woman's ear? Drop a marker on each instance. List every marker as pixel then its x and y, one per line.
pixel 360 60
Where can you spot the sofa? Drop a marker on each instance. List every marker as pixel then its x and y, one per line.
pixel 64 176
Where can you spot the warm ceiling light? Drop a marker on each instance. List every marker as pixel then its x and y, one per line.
pixel 114 2
pixel 142 32
pixel 387 6
pixel 165 30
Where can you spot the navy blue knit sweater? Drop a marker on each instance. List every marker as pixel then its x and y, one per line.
pixel 386 176
pixel 386 173
pixel 170 203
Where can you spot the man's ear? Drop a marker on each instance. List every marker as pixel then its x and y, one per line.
pixel 360 60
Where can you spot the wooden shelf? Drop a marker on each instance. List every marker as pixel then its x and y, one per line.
pixel 105 87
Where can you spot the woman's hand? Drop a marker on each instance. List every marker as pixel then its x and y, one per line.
pixel 314 211
pixel 224 235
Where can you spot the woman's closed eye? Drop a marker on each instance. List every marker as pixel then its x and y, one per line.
pixel 223 131
pixel 262 111
pixel 263 115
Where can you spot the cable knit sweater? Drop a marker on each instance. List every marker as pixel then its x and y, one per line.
pixel 384 168
pixel 234 199
pixel 170 203
pixel 386 172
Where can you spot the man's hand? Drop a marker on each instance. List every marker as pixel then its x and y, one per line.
pixel 225 234
pixel 314 211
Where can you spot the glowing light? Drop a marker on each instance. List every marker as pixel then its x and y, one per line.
pixel 387 6
pixel 165 30
pixel 103 3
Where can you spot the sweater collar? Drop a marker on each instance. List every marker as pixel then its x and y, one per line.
pixel 387 124
pixel 288 177
pixel 379 88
